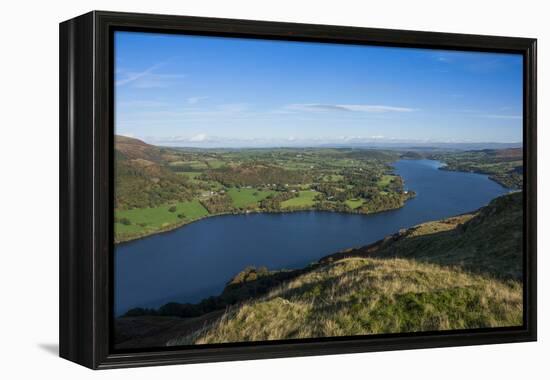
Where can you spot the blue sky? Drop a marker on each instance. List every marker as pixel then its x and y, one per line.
pixel 214 92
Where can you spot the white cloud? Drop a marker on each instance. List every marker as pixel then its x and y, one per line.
pixel 201 137
pixel 142 103
pixel 131 77
pixel 444 58
pixel 147 78
pixel 196 99
pixel 375 108
pixel 510 117
pixel 369 108
pixel 202 140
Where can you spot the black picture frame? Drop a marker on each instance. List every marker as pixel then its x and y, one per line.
pixel 86 187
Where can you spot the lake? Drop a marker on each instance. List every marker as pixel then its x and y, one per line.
pixel 195 261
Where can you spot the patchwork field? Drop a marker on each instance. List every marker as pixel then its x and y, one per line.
pixel 162 188
pixel 304 199
pixel 243 198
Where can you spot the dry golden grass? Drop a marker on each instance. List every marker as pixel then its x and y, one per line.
pixel 361 296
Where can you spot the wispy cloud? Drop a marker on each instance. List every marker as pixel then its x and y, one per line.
pixel 494 115
pixel 196 99
pixel 192 140
pixel 510 117
pixel 131 77
pixel 370 108
pixel 147 78
pixel 443 58
pixel 166 115
pixel 478 63
pixel 142 103
pixel 201 137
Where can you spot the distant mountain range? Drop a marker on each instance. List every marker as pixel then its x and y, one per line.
pixel 212 142
pixel 428 146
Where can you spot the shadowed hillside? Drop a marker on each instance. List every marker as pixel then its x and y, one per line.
pixel 488 241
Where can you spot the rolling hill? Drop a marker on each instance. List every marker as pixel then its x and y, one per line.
pixel 504 166
pixel 142 178
pixel 131 149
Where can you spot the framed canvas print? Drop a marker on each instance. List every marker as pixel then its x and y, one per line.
pixel 238 189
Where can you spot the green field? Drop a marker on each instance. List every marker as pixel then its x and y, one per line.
pixel 193 165
pixel 385 181
pixel 243 198
pixel 333 178
pixel 304 199
pixel 354 203
pixel 215 164
pixel 191 175
pixel 151 219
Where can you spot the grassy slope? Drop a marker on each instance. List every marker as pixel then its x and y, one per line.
pixel 154 219
pixel 488 241
pixel 459 273
pixel 304 199
pixel 247 197
pixel 354 203
pixel 385 181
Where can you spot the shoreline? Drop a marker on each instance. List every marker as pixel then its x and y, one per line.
pixel 173 227
pixel 180 225
pixel 444 166
pixel 489 175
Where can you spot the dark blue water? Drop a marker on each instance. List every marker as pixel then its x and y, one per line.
pixel 195 261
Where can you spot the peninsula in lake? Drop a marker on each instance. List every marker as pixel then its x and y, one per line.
pixel 161 188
